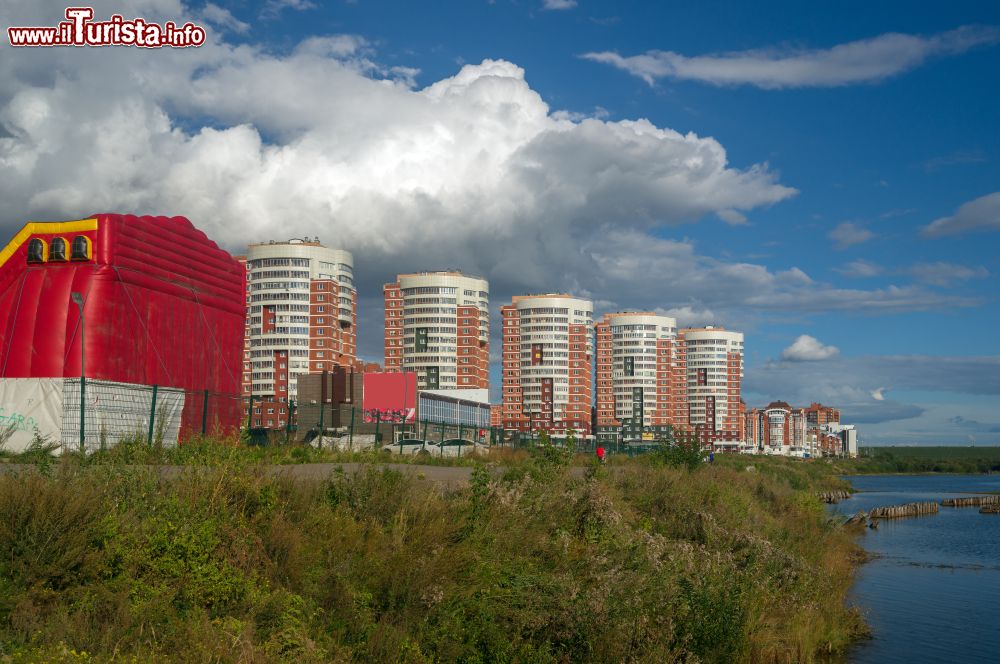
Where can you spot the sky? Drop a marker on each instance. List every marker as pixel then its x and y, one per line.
pixel 824 177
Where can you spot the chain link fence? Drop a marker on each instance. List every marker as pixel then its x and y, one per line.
pixel 98 414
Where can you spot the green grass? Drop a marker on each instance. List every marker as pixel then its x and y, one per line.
pixel 225 562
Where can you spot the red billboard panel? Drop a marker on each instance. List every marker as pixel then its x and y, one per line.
pixel 390 397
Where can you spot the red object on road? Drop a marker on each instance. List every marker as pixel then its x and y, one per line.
pixel 163 305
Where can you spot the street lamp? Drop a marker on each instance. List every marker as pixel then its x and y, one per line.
pixel 77 299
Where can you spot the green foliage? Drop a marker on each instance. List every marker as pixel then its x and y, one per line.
pixel 7 431
pixel 548 458
pixel 224 561
pixel 680 450
pixel 716 619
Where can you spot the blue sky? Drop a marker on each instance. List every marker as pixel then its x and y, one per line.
pixel 814 146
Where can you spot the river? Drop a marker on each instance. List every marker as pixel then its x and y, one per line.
pixel 932 591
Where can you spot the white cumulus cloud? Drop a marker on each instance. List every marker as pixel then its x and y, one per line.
pixel 807 349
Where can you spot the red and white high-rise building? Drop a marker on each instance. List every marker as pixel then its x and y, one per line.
pixel 641 373
pixel 547 363
pixel 301 318
pixel 437 324
pixel 714 358
pixel 247 368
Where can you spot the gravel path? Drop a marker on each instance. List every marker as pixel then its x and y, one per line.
pixel 447 475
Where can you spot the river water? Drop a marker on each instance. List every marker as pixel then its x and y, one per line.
pixel 932 593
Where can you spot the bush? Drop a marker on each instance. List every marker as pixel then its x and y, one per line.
pixel 679 450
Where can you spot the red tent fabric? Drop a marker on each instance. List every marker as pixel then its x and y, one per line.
pixel 164 305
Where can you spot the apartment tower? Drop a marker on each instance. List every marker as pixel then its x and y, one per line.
pixel 641 374
pixel 301 318
pixel 547 355
pixel 437 324
pixel 714 358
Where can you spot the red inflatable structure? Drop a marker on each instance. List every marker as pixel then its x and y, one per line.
pixel 163 305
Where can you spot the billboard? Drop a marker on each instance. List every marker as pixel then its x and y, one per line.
pixel 390 397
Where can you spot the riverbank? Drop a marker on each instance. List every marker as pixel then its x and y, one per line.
pixel 535 561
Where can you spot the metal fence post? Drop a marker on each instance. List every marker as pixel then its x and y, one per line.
pixel 204 415
pixel 350 435
pixel 288 421
pixel 378 423
pixel 152 414
pixel 83 414
pixel 321 423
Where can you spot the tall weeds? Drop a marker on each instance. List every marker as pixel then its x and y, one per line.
pixel 229 563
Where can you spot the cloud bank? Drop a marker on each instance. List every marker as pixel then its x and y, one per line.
pixel 858 385
pixel 473 171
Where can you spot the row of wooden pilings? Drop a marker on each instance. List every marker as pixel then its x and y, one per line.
pixel 972 501
pixel 834 496
pixel 987 505
pixel 897 511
